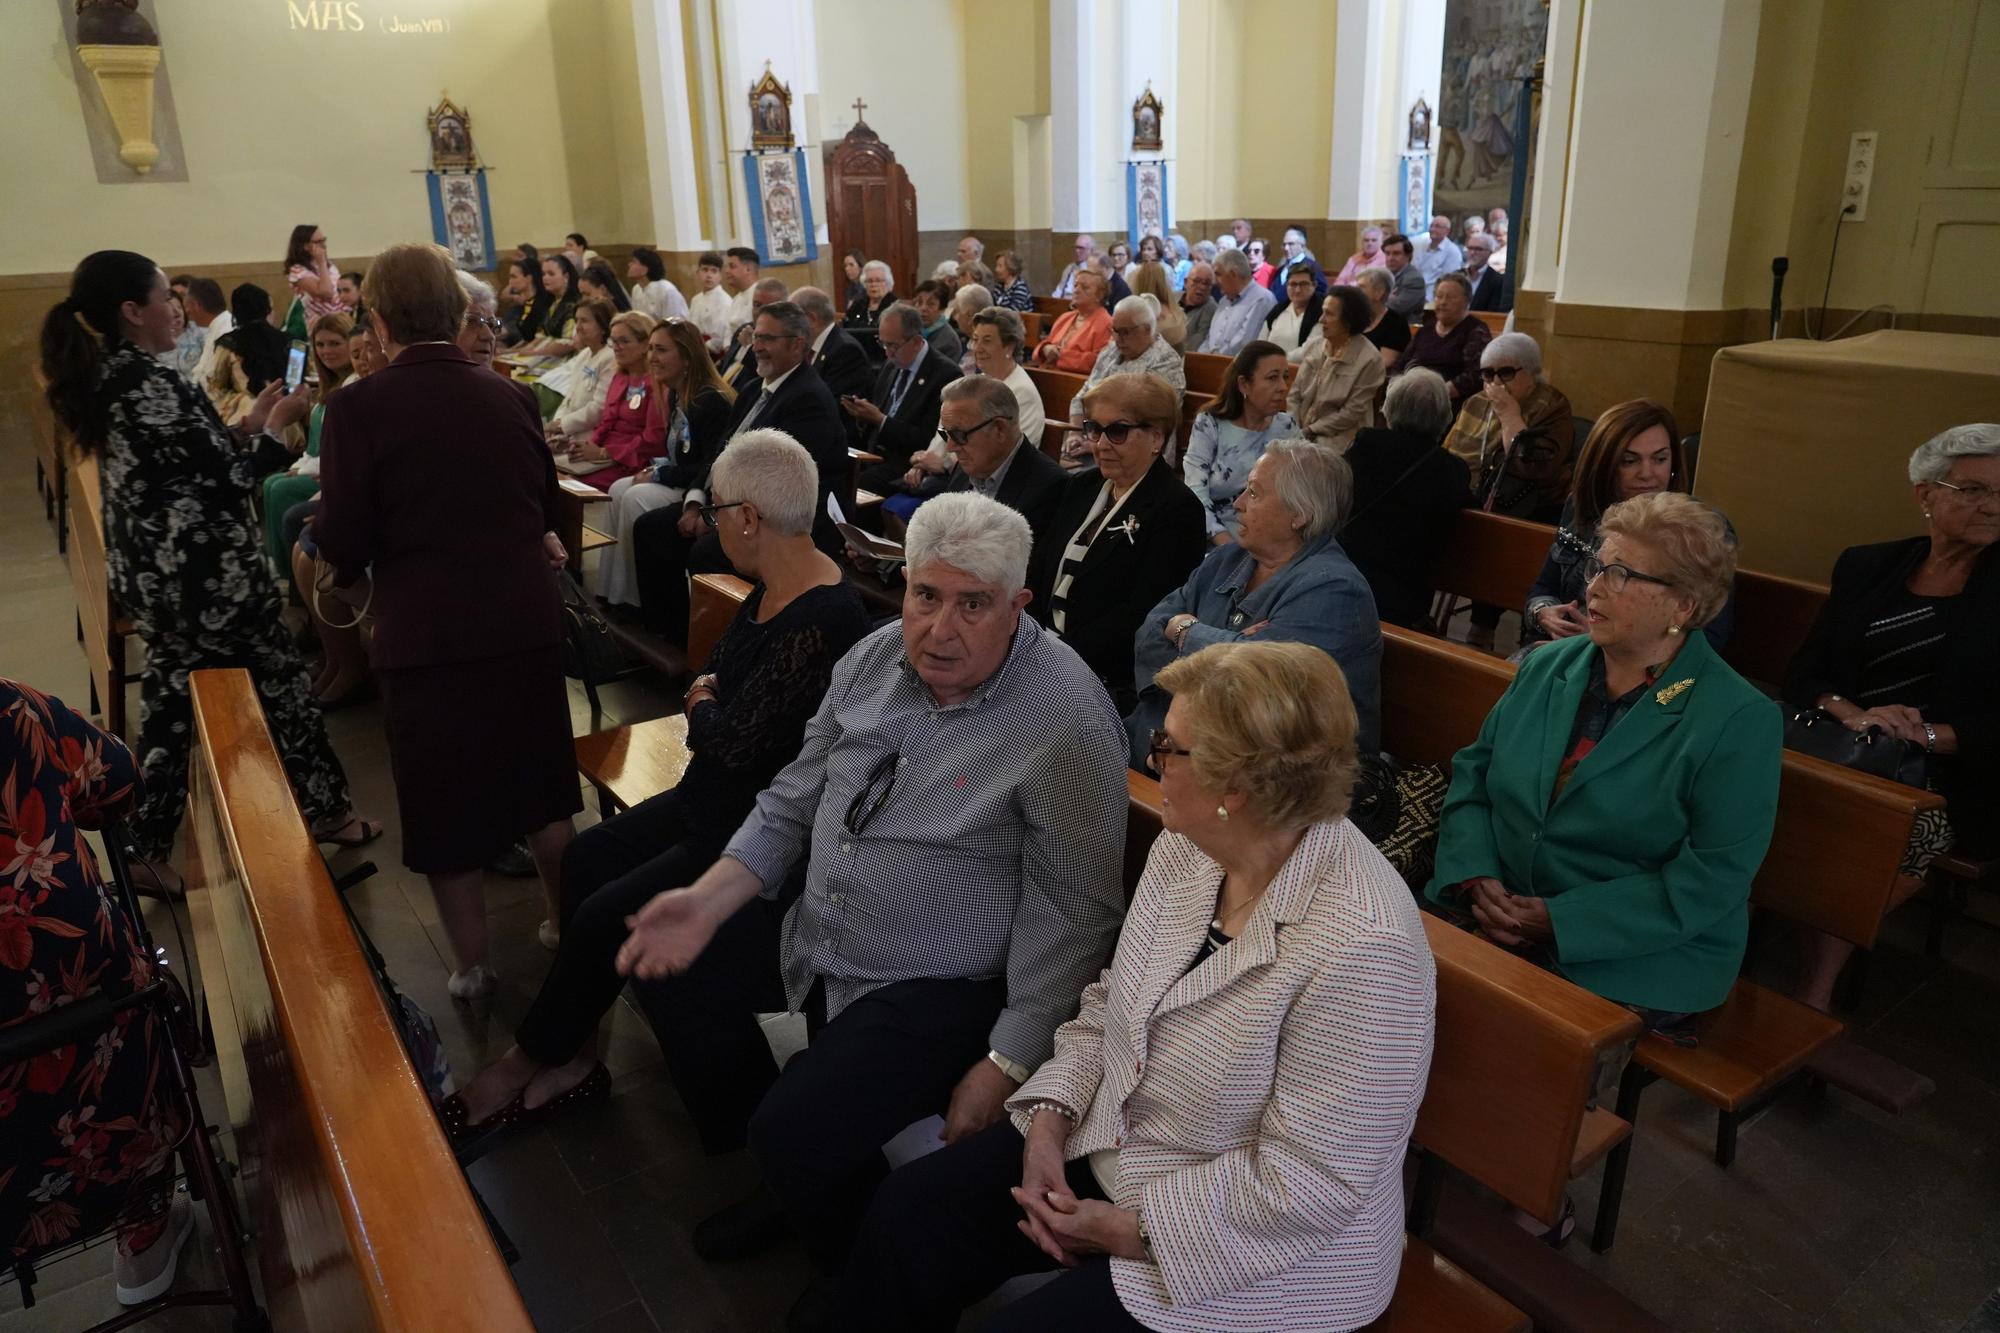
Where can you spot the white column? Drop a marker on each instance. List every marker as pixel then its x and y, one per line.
pixel 748 33
pixel 1649 190
pixel 1149 47
pixel 1360 183
pixel 668 112
pixel 1073 98
pixel 1538 266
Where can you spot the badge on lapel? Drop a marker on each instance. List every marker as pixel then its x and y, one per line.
pixel 1673 691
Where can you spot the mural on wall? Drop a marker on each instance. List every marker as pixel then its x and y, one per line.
pixel 1488 46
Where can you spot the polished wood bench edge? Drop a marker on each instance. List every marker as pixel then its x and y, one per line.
pixel 635 763
pixel 867 500
pixel 593 540
pixel 335 1023
pixel 583 491
pixel 1754 1041
pixel 862 455
pixel 1602 1131
pixel 1435 1295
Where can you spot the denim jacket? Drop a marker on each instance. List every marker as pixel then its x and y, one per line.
pixel 1318 597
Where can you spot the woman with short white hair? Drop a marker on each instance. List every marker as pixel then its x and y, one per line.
pixel 746 719
pixel 1908 644
pixel 864 314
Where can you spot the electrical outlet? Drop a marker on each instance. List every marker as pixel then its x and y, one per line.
pixel 1860 172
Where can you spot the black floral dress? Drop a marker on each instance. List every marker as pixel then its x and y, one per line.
pixel 78 1127
pixel 184 557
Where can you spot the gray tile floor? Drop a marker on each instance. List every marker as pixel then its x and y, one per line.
pixel 1835 1216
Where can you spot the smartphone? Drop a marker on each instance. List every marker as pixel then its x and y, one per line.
pixel 295 366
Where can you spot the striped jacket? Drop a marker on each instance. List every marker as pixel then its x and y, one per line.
pixel 1260 1104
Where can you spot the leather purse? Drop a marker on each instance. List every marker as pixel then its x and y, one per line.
pixel 1820 734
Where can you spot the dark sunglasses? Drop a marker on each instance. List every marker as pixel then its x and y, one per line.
pixel 959 437
pixel 1505 374
pixel 1115 431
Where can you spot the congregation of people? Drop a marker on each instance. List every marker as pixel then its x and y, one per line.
pixel 1191 1103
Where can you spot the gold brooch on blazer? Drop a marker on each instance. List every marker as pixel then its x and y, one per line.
pixel 1669 694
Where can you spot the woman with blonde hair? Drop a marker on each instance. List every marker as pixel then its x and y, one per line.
pixel 631 430
pixel 1242 1168
pixel 1151 278
pixel 695 400
pixel 331 363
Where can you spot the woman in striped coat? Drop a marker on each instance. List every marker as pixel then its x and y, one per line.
pixel 1217 1141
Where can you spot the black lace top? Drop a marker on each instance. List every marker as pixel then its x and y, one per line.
pixel 770 679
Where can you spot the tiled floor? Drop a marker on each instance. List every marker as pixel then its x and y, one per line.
pixel 1836 1216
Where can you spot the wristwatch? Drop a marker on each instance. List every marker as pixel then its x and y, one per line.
pixel 1146 1239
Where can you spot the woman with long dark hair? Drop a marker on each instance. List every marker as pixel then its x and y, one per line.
pixel 248 357
pixel 314 281
pixel 559 287
pixel 181 545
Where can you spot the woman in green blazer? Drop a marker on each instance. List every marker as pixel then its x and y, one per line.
pixel 1620 797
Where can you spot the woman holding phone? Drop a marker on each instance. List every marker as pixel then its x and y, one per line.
pixel 182 550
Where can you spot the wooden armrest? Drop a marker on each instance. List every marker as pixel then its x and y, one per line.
pixel 863 456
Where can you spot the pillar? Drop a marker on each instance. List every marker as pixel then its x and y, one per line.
pixel 668 113
pixel 1102 53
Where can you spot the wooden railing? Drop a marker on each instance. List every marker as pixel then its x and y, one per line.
pixel 363 1217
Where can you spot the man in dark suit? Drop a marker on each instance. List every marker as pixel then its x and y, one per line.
pixel 1489 289
pixel 980 418
pixel 900 417
pixel 788 396
pixel 836 354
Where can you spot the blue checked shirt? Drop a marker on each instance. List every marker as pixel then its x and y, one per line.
pixel 999 850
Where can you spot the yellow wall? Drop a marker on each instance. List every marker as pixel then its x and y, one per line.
pixel 912 76
pixel 282 126
pixel 1006 63
pixel 1256 88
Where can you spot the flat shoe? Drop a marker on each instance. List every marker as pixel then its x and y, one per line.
pixel 150 1273
pixel 451 1114
pixel 475 983
pixel 371 829
pixel 594 1086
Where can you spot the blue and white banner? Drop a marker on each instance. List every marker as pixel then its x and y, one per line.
pixel 1415 192
pixel 1148 206
pixel 781 218
pixel 461 217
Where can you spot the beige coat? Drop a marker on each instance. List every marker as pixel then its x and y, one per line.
pixel 1335 396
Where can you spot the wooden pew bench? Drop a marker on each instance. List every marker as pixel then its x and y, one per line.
pixel 1435 695
pixel 100 626
pixel 1205 374
pixel 572 498
pixel 1052 308
pixel 1058 389
pixel 1773 616
pixel 52 453
pixel 363 1218
pixel 1490 559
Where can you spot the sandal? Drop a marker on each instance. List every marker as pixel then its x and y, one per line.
pixel 594 1086
pixel 371 829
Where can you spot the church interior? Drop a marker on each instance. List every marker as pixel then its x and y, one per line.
pixel 1755 237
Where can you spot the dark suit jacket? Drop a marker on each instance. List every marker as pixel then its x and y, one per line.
pixel 1866 579
pixel 1407 495
pixel 804 409
pixel 1491 293
pixel 1034 486
pixel 845 367
pixel 434 471
pixel 1121 579
pixel 915 422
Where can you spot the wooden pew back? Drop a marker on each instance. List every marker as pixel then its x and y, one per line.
pixel 103 626
pixel 1435 694
pixel 364 1219
pixel 1517 1055
pixel 1205 374
pixel 1838 840
pixel 1033 325
pixel 1495 321
pixel 713 601
pixel 1491 559
pixel 1773 616
pixel 1058 388
pixel 1051 308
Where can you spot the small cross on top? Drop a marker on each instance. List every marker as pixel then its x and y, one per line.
pixel 859 107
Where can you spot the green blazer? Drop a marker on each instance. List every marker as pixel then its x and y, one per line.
pixel 1645 859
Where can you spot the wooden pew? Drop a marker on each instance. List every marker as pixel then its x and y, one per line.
pixel 1205 374
pixel 51 464
pixel 1435 695
pixel 1495 321
pixel 1052 308
pixel 1773 616
pixel 1835 849
pixel 100 625
pixel 1488 559
pixel 572 498
pixel 1033 325
pixel 713 600
pixel 1058 389
pixel 363 1217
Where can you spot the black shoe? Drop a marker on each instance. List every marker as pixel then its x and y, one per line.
pixel 514 863
pixel 812 1312
pixel 747 1227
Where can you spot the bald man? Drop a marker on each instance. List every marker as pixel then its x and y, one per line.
pixel 1434 253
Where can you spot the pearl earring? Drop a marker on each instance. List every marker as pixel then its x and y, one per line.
pixel 1222 813
pixel 1673 629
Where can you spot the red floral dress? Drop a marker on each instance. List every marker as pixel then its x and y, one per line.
pixel 78 1127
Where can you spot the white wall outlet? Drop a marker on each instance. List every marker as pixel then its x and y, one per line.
pixel 1860 171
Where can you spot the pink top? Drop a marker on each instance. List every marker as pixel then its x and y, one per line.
pixel 1355 263
pixel 631 431
pixel 1078 341
pixel 298 275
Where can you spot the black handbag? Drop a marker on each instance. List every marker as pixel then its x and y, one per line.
pixel 591 652
pixel 1820 734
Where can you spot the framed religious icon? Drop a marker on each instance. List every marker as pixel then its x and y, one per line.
pixel 770 113
pixel 1146 116
pixel 1420 126
pixel 451 138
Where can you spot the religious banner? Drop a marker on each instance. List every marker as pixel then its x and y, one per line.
pixel 781 220
pixel 1415 193
pixel 1147 210
pixel 461 217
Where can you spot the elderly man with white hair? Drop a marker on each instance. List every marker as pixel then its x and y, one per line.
pixel 958 810
pixel 1086 251
pixel 1136 348
pixel 1489 286
pixel 1434 254
pixel 1240 307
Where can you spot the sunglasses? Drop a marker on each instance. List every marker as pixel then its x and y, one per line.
pixel 1115 431
pixel 1504 374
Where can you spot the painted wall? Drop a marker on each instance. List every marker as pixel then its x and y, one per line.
pixel 348 156
pixel 1005 59
pixel 1283 142
pixel 912 76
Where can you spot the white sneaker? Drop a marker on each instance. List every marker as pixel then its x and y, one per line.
pixel 475 983
pixel 151 1271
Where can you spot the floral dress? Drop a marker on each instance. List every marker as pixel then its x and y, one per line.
pixel 78 1127
pixel 182 550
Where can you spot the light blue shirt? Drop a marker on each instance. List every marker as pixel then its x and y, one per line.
pixel 1238 319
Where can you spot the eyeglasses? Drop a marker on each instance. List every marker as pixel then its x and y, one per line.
pixel 766 339
pixel 1976 495
pixel 1616 576
pixel 958 438
pixel 1505 374
pixel 709 512
pixel 484 322
pixel 1115 431
pixel 1157 751
pixel 871 798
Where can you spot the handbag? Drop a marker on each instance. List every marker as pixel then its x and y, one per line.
pixel 1818 733
pixel 591 652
